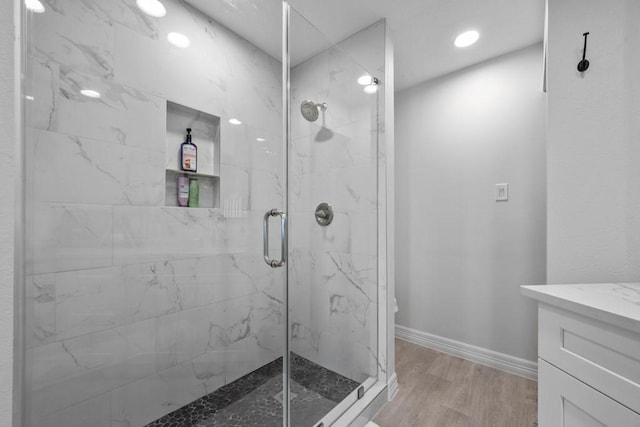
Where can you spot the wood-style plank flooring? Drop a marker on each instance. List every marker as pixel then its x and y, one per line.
pixel 438 390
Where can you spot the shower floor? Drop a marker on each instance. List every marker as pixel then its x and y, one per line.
pixel 256 398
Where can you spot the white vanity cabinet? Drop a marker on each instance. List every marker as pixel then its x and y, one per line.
pixel 588 354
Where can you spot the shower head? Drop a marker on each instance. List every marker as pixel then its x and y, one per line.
pixel 311 110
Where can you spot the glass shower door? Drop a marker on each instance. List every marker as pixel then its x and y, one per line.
pixel 140 311
pixel 333 212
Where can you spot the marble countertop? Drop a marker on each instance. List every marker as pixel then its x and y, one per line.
pixel 614 303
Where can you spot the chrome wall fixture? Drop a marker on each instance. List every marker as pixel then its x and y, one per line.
pixel 324 214
pixel 311 110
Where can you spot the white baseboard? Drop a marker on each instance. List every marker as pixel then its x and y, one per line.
pixel 392 386
pixel 483 356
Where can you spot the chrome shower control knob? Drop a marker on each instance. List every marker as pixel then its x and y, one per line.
pixel 324 214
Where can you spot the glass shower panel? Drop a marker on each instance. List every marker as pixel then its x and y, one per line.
pixel 139 311
pixel 333 269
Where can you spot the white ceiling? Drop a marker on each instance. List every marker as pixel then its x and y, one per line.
pixel 422 30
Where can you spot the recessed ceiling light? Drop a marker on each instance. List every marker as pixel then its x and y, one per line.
pixel 365 80
pixel 235 122
pixel 90 93
pixel 467 38
pixel 152 8
pixel 260 139
pixel 371 89
pixel 34 6
pixel 29 98
pixel 178 39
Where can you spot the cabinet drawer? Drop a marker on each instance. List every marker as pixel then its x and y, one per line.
pixel 601 355
pixel 565 401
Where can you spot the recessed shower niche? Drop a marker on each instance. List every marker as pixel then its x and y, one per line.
pixel 206 136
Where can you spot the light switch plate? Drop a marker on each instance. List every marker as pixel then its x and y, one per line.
pixel 502 192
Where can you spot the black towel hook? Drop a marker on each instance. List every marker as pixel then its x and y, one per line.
pixel 584 64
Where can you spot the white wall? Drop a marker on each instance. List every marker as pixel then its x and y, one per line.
pixel 460 255
pixel 593 151
pixel 8 170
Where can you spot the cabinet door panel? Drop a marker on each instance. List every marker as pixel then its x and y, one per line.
pixel 566 402
pixel 606 357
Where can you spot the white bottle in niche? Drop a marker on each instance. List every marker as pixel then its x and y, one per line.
pixel 183 190
pixel 188 154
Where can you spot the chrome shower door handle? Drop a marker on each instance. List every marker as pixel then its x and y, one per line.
pixel 283 237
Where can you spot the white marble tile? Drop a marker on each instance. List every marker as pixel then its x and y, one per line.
pixel 69 237
pixel 179 75
pixel 228 276
pixel 346 189
pixel 244 231
pixel 235 187
pixel 246 356
pixel 242 148
pixel 364 361
pixel 344 274
pixel 122 114
pixel 79 170
pixel 354 144
pixel 40 306
pixel 94 412
pixel 252 324
pixel 154 289
pixel 364 232
pixel 345 316
pixel 42 83
pixel 351 359
pixel 255 92
pixel 85 44
pixel 334 353
pixel 123 12
pixel 145 400
pixel 305 341
pixel 89 301
pixel 335 238
pixel 143 234
pixel 188 334
pixel 67 372
pixel 266 190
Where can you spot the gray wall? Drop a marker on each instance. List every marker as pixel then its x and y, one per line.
pixel 460 255
pixel 593 153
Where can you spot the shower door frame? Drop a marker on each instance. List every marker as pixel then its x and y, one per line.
pixel 377 393
pixel 382 388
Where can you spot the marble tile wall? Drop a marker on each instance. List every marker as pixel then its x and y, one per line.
pixel 135 308
pixel 334 270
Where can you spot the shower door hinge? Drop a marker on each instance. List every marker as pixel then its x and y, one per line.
pixel 360 392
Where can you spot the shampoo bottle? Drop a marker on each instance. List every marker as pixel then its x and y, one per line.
pixel 194 194
pixel 183 190
pixel 188 154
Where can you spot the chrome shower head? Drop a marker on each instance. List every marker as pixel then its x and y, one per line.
pixel 311 110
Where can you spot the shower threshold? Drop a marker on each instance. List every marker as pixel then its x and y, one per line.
pixel 256 398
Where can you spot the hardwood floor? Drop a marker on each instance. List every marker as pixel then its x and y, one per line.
pixel 438 390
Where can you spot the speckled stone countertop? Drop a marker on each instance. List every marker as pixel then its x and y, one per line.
pixel 614 303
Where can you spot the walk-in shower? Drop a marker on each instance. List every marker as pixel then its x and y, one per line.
pixel 148 301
